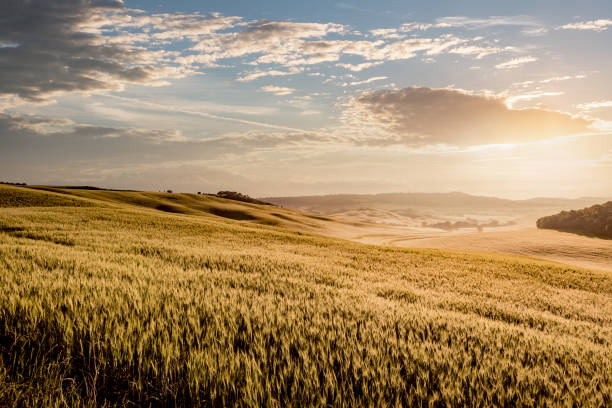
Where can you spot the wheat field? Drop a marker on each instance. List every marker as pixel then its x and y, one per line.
pixel 116 299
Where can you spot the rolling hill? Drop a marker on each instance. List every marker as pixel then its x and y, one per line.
pixel 117 298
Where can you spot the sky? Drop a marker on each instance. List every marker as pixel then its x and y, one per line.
pixel 281 98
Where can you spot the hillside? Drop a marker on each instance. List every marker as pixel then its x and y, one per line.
pixel 176 203
pixel 595 220
pixel 111 300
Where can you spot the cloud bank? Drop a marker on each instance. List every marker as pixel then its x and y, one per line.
pixel 57 47
pixel 421 116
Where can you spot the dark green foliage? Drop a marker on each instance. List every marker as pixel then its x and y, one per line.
pixel 232 195
pixel 595 220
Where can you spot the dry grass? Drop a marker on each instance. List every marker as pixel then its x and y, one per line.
pixel 120 305
pixel 557 246
pixel 11 196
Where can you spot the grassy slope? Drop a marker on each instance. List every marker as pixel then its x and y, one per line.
pixel 116 303
pixel 193 204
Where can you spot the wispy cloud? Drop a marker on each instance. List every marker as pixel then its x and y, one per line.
pixel 471 23
pixel 593 25
pixel 202 114
pixel 388 33
pixel 277 90
pixel 253 75
pixel 365 81
pixel 359 67
pixel 525 84
pixel 512 100
pixel 478 51
pixel 515 62
pixel 594 105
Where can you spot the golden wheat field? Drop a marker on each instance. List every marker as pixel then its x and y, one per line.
pixel 556 246
pixel 564 247
pixel 147 299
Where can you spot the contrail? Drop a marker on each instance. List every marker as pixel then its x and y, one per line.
pixel 203 114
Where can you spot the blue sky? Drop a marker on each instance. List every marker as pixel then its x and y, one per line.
pixel 284 98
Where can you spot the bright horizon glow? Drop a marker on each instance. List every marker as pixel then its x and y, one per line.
pixel 278 99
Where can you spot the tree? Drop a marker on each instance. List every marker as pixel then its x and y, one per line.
pixel 595 220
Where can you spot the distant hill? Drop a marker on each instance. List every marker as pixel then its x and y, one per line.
pixel 418 209
pixel 419 200
pixel 595 220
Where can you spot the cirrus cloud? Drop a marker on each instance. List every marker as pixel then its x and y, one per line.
pixel 515 62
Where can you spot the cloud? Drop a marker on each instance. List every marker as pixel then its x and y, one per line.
pixel 57 151
pixel 474 23
pixel 561 78
pixel 275 40
pixel 365 81
pixel 512 100
pixel 253 75
pixel 594 105
pixel 480 23
pixel 277 90
pixel 425 116
pixel 193 26
pixel 31 139
pixel 515 62
pixel 593 25
pixel 202 113
pixel 359 67
pixel 404 49
pixel 475 50
pixel 295 45
pixel 525 84
pixel 57 47
pixel 388 33
pixel 53 47
pixel 538 31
